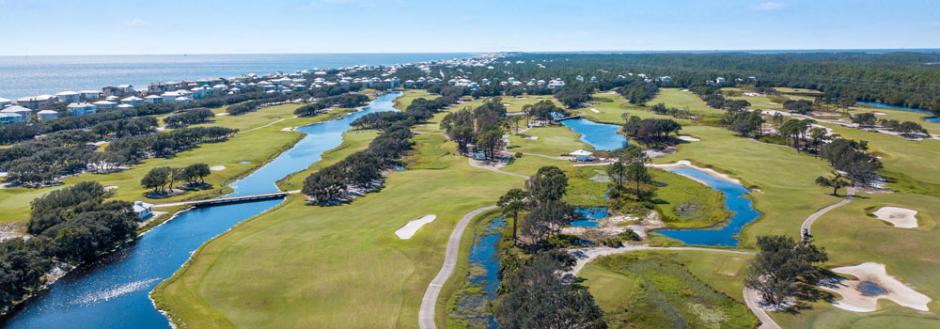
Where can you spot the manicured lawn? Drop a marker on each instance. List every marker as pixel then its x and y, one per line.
pixel 851 236
pixel 686 100
pixel 410 95
pixel 612 107
pixel 665 289
pixel 259 139
pixel 513 104
pixel 307 266
pixel 551 141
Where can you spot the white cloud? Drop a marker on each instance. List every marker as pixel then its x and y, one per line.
pixel 137 22
pixel 768 6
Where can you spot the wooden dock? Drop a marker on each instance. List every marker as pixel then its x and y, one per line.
pixel 228 200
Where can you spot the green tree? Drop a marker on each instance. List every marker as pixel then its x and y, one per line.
pixel 787 273
pixel 548 184
pixel 836 182
pixel 156 178
pixel 512 203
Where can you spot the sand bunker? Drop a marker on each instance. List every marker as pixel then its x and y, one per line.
pixel 595 110
pixel 899 217
pixel 689 138
pixel 409 230
pixel 874 283
pixel 217 168
pixel 288 129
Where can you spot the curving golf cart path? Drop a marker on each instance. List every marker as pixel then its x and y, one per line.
pixel 808 222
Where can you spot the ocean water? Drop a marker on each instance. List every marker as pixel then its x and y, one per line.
pixel 35 75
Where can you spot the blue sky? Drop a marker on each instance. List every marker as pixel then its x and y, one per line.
pixel 49 27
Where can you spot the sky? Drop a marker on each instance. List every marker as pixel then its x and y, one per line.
pixel 98 27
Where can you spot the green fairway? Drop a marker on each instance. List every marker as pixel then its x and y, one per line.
pixel 782 181
pixel 342 266
pixel 260 138
pixel 611 108
pixel 665 289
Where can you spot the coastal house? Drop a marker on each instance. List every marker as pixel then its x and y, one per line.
pixel 24 114
pixel 47 115
pixel 119 91
pixel 80 109
pixel 143 210
pixel 719 81
pixel 68 96
pixel 199 92
pixel 35 102
pixel 105 105
pixel 170 96
pixel 123 106
pixel 90 95
pixel 6 118
pixel 132 100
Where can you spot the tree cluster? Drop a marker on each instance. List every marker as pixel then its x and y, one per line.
pixel 349 100
pixel 161 179
pixel 71 225
pixel 190 117
pixel 651 131
pixel 852 158
pixel 482 127
pixel 787 273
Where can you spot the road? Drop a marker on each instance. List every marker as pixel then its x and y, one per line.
pixel 429 301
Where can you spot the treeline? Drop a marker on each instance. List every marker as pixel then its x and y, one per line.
pixel 361 172
pixel 71 226
pixel 638 92
pixel 44 161
pixel 345 100
pixel 481 127
pixel 899 78
pixel 661 109
pixel 190 117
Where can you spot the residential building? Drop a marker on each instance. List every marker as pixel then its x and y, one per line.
pixel 143 210
pixel 153 99
pixel 105 105
pixel 10 118
pixel 80 109
pixel 4 102
pixel 35 102
pixel 47 115
pixel 132 100
pixel 68 96
pixel 25 114
pixel 90 95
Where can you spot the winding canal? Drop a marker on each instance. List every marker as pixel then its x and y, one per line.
pixel 114 292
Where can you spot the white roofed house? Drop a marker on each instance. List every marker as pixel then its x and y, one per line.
pixel 143 210
pixel 170 96
pixel 90 95
pixel 68 96
pixel 199 92
pixel 123 106
pixel 153 99
pixel 132 100
pixel 6 118
pixel 25 114
pixel 105 105
pixel 35 102
pixel 556 84
pixel 47 115
pixel 182 100
pixel 80 109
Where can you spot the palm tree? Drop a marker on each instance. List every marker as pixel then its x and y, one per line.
pixel 512 203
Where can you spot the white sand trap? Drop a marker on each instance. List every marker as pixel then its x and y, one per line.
pixel 895 291
pixel 217 168
pixel 287 129
pixel 595 110
pixel 880 113
pixel 689 138
pixel 409 230
pixel 221 114
pixel 899 217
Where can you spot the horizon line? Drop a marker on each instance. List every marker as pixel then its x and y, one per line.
pixel 493 52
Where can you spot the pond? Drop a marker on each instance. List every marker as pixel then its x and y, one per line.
pixel 601 136
pixel 901 108
pixel 736 202
pixel 114 293
pixel 589 217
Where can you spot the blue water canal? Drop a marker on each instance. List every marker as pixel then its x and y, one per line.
pixel 736 201
pixel 901 108
pixel 114 293
pixel 605 137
